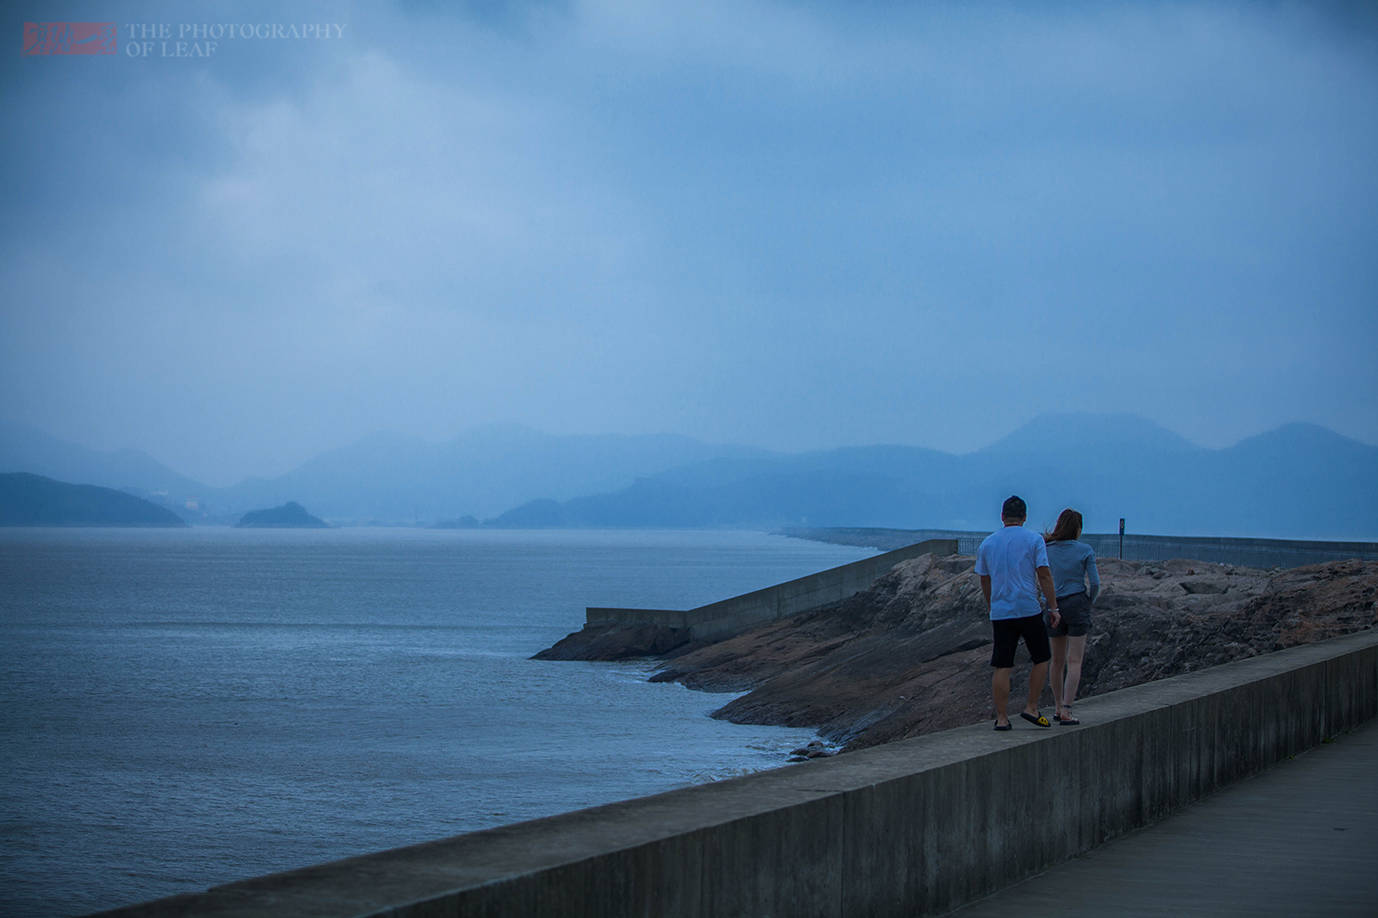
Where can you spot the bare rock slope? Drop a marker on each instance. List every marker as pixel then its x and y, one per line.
pixel 910 655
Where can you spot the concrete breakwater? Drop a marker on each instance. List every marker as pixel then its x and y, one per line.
pixel 1259 553
pixel 918 826
pixel 732 616
pixel 610 633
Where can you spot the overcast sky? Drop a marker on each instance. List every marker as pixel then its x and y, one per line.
pixel 790 224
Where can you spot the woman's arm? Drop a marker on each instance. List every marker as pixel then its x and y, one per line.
pixel 1092 575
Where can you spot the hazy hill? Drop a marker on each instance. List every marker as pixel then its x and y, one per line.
pixel 1299 481
pixel 28 449
pixel 385 477
pixel 32 500
pixel 480 473
pixel 1127 435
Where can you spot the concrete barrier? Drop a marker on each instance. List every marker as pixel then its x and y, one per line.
pixel 613 615
pixel 722 619
pixel 1263 553
pixel 913 827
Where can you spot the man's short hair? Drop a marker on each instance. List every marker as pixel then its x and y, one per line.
pixel 1014 508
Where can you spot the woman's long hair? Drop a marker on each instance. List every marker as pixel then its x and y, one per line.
pixel 1067 529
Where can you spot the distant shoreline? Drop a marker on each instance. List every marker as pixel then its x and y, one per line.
pixel 871 537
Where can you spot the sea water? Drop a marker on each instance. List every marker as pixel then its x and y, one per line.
pixel 184 708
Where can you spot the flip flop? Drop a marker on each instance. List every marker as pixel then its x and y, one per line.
pixel 1037 721
pixel 1004 726
pixel 1066 721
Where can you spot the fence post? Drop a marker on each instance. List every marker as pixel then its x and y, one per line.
pixel 1121 538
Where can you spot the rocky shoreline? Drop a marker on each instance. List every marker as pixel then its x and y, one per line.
pixel 910 655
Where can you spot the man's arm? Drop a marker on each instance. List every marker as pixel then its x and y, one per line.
pixel 985 590
pixel 1045 581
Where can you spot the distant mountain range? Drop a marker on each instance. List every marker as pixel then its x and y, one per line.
pixel 1298 481
pixel 388 478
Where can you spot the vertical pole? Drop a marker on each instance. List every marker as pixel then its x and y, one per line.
pixel 1121 538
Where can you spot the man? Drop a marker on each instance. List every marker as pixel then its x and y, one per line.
pixel 1013 565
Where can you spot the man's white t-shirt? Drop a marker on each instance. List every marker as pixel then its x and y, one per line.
pixel 1010 557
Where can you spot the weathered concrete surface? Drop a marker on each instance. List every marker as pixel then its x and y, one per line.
pixel 727 617
pixel 917 826
pixel 1299 839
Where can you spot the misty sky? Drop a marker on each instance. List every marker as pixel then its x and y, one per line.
pixel 790 224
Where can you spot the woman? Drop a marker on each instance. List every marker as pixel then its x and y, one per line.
pixel 1076 582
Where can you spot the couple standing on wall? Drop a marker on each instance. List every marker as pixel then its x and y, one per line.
pixel 1015 565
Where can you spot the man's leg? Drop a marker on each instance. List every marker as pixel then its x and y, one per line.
pixel 1059 645
pixel 1000 689
pixel 1005 639
pixel 1036 640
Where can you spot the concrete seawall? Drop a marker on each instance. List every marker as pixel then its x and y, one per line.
pixel 727 617
pixel 913 827
pixel 1264 553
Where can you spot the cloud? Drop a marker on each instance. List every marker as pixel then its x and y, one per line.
pixel 792 224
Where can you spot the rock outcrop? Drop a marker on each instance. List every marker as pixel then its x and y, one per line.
pixel 910 655
pixel 610 642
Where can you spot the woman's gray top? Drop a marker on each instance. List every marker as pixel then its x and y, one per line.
pixel 1073 564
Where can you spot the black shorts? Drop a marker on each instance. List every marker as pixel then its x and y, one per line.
pixel 1007 633
pixel 1076 616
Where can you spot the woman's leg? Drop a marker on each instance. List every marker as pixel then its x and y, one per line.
pixel 1059 647
pixel 1075 650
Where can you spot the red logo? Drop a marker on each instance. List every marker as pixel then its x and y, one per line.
pixel 69 38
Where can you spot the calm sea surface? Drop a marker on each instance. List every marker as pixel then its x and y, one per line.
pixel 183 708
